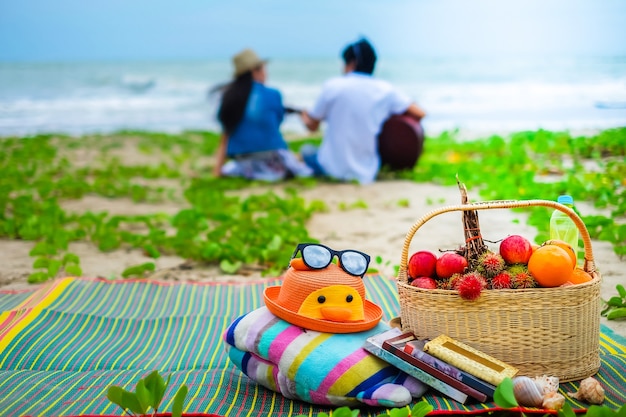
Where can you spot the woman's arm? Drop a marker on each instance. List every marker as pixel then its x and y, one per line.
pixel 220 155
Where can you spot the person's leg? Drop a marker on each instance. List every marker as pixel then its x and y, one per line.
pixel 309 156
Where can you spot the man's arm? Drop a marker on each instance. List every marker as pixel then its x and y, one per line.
pixel 312 124
pixel 415 112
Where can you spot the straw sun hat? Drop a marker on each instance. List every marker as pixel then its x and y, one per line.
pixel 297 301
pixel 246 60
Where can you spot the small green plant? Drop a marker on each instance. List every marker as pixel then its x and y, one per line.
pixel 615 307
pixel 149 393
pixel 419 410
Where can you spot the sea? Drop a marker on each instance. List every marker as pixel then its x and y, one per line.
pixel 467 94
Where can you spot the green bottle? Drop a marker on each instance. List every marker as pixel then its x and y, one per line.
pixel 562 227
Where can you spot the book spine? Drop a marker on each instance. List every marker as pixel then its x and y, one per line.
pixel 417 373
pixel 425 367
pixel 414 349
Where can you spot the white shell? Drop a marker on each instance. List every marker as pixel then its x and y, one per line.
pixel 547 384
pixel 553 401
pixel 527 392
pixel 590 390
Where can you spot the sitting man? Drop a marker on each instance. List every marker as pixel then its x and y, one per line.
pixel 354 106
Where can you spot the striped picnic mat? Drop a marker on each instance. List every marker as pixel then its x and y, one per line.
pixel 64 344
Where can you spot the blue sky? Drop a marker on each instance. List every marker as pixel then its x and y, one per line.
pixel 58 30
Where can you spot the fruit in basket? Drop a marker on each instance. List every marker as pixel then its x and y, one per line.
pixel 516 249
pixel 424 282
pixel 490 264
pixel 580 276
pixel 502 281
pixel 551 266
pixel 422 264
pixel 450 263
pixel 521 277
pixel 448 283
pixel 565 246
pixel 470 285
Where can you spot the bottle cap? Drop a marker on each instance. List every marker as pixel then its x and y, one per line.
pixel 565 199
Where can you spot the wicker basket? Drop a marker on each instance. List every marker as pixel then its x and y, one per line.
pixel 541 331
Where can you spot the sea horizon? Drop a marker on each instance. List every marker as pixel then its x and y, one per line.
pixel 468 93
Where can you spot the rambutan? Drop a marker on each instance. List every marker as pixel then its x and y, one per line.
pixel 470 285
pixel 448 283
pixel 490 264
pixel 501 281
pixel 520 277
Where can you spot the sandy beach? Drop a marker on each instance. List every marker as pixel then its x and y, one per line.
pixel 378 227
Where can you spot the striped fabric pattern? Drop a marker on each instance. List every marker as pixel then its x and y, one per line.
pixel 63 345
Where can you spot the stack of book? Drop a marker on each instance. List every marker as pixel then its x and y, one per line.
pixel 446 365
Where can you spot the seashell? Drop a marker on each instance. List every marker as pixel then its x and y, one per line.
pixel 547 384
pixel 590 391
pixel 553 401
pixel 527 392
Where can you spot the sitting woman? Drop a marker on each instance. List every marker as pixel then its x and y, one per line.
pixel 250 115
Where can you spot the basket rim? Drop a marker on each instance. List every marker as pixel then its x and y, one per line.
pixel 588 264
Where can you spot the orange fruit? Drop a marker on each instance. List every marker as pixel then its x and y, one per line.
pixel 551 266
pixel 564 245
pixel 580 276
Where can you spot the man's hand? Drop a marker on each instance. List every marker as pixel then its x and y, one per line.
pixel 312 124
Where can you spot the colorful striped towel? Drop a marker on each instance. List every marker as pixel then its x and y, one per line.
pixel 319 368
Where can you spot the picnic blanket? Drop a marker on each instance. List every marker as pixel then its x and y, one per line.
pixel 63 344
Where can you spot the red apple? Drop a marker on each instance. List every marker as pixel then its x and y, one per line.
pixel 422 264
pixel 450 263
pixel 424 282
pixel 516 249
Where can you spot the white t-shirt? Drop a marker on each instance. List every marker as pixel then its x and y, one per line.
pixel 355 106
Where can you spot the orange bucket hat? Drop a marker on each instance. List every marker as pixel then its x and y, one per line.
pixel 327 300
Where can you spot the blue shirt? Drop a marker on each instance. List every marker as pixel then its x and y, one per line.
pixel 259 131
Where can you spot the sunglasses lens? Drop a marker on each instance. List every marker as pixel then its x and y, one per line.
pixel 316 256
pixel 354 262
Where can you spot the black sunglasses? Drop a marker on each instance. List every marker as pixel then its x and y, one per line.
pixel 317 256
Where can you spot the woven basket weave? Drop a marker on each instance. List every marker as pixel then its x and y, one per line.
pixel 541 331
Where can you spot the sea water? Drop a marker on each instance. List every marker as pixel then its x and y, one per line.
pixel 475 94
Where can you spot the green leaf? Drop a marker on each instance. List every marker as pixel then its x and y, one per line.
pixel 53 267
pixel 144 396
pixel 152 251
pixel 138 270
pixel 130 401
pixel 115 395
pixel 621 290
pixel 71 258
pixel 566 411
pixel 156 386
pixel 36 277
pixel 503 396
pixel 618 313
pixel 400 412
pixel 41 263
pixel 599 411
pixel 230 267
pixel 74 270
pixel 421 409
pixel 179 400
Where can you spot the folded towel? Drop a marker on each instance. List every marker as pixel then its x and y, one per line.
pixel 319 368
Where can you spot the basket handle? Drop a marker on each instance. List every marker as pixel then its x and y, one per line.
pixel 588 265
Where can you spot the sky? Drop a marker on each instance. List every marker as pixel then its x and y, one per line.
pixel 100 30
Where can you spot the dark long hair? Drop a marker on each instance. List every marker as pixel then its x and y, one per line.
pixel 234 101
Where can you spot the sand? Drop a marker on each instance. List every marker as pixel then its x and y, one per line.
pixel 379 229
